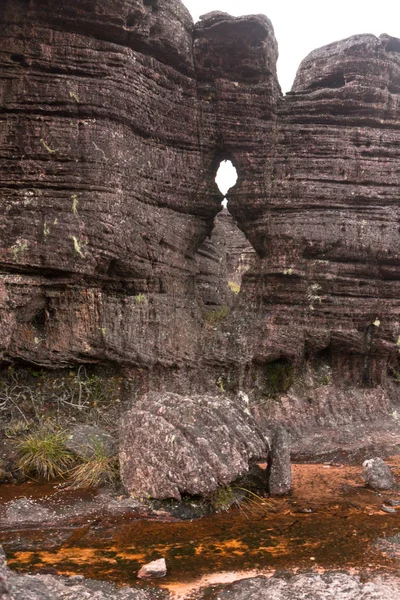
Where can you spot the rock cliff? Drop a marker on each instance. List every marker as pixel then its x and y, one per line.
pixel 114 117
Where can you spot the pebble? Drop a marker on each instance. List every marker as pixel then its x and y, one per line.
pixel 388 509
pixel 153 570
pixel 392 502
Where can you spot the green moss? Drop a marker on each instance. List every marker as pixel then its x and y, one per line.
pixel 47 147
pixel 221 383
pixel 19 247
pixel 74 97
pixel 77 246
pixel 222 499
pixel 75 203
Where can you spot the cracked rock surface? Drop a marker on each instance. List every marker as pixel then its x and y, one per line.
pixel 173 445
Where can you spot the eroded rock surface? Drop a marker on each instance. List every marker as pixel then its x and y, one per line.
pixel 338 586
pixel 173 445
pixel 47 587
pixel 113 121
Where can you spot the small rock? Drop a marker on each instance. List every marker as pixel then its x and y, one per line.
pixel 388 509
pixel 377 474
pixel 153 570
pixel 392 502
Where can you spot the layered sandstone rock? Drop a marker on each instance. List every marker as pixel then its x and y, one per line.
pixel 322 214
pixel 114 116
pixel 106 184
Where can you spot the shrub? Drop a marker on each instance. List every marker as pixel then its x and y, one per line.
pixel 43 453
pixel 98 469
pixel 222 499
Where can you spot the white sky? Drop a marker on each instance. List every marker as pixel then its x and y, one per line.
pixel 304 25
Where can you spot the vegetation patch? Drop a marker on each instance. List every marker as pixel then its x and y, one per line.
pixel 279 377
pixel 140 299
pixel 98 469
pixel 29 396
pixel 217 316
pixel 248 501
pixel 43 453
pixel 38 410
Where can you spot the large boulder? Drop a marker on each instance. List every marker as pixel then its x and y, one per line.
pixel 172 445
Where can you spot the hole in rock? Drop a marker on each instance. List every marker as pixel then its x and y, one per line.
pixel 18 58
pixel 131 20
pixel 226 178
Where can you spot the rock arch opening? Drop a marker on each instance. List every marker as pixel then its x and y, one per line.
pixel 226 254
pixel 226 178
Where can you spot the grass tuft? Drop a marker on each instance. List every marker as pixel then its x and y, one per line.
pixel 98 469
pixel 43 453
pixel 251 504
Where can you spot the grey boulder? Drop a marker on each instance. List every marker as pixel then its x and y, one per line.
pixel 377 474
pixel 172 445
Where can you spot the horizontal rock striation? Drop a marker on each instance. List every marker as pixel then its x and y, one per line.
pixel 106 183
pixel 326 224
pixel 114 116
